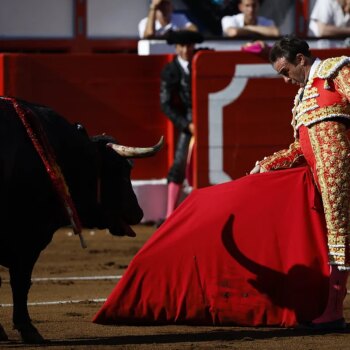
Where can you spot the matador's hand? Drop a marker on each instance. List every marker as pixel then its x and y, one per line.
pixel 256 169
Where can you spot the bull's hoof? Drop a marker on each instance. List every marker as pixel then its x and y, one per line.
pixel 30 335
pixel 3 335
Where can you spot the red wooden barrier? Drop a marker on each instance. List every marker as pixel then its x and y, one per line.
pixel 242 111
pixel 116 94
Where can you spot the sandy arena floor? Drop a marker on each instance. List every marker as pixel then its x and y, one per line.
pixel 69 326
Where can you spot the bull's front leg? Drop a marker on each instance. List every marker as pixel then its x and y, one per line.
pixel 20 277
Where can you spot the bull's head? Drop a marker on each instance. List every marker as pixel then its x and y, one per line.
pixel 118 205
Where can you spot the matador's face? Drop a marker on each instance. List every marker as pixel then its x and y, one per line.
pixel 293 73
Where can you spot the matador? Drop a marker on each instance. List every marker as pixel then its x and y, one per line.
pixel 321 117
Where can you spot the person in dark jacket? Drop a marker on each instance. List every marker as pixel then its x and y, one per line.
pixel 176 103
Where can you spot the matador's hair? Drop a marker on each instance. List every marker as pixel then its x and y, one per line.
pixel 288 47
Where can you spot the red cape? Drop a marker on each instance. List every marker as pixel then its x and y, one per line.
pixel 248 252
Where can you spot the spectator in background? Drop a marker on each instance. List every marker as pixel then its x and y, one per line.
pixel 330 18
pixel 248 23
pixel 209 13
pixel 161 19
pixel 176 104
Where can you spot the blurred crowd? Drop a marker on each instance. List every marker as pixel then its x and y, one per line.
pixel 242 18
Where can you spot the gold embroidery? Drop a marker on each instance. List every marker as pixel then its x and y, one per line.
pixel 308 112
pixel 329 67
pixel 306 106
pixel 310 92
pixel 319 114
pixel 342 83
pixel 333 172
pixel 283 159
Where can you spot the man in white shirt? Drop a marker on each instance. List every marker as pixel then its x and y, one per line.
pixel 330 18
pixel 248 23
pixel 161 19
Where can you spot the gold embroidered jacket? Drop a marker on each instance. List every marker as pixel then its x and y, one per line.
pixel 326 96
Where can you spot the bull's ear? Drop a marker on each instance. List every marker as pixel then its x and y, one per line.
pixel 81 128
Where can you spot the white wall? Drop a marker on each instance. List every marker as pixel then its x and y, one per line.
pixel 111 18
pixel 54 18
pixel 36 18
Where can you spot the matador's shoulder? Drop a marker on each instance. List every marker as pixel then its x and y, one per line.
pixel 171 73
pixel 331 66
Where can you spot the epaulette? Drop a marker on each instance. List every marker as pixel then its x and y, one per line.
pixel 329 67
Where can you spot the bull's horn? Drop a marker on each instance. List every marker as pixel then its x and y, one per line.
pixel 136 152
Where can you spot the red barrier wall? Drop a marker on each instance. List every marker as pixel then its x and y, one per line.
pixel 119 94
pixel 253 124
pixel 116 94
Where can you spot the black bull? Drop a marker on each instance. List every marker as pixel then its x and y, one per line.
pixel 30 211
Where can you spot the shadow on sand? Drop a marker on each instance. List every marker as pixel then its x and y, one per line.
pixel 221 334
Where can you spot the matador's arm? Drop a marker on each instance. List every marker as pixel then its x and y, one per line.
pixel 284 159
